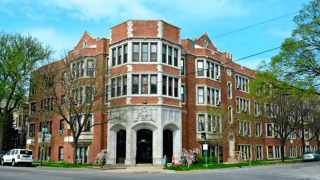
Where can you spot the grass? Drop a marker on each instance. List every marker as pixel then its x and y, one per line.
pixel 61 165
pixel 202 166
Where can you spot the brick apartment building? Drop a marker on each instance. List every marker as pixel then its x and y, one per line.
pixel 171 85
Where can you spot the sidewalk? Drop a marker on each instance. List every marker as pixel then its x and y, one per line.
pixel 138 169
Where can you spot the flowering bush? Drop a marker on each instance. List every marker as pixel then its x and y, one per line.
pixel 102 157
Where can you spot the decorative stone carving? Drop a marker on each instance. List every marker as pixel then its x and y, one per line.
pixel 144 115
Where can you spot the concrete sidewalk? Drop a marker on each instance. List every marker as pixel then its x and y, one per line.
pixel 138 169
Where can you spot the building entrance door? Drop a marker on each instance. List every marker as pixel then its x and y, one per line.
pixel 144 146
pixel 168 144
pixel 121 146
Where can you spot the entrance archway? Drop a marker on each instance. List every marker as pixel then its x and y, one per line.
pixel 121 146
pixel 144 146
pixel 168 144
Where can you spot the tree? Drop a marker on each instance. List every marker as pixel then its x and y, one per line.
pixel 10 135
pixel 19 55
pixel 75 93
pixel 285 105
pixel 298 62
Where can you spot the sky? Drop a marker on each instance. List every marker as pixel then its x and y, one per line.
pixel 61 23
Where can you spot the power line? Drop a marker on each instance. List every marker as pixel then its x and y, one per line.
pixel 254 25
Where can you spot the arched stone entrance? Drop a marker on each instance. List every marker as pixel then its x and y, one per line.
pixel 144 146
pixel 121 146
pixel 168 144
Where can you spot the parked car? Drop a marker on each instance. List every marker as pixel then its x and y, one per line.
pixel 2 154
pixel 17 157
pixel 311 156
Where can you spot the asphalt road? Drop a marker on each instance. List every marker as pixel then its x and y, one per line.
pixel 301 171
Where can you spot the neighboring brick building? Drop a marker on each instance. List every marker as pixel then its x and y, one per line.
pixel 168 88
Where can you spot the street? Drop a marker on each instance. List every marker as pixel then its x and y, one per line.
pixel 309 170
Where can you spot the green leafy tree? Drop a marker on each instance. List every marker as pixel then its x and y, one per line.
pixel 19 54
pixel 10 134
pixel 298 61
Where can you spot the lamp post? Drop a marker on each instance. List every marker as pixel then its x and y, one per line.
pixel 205 146
pixel 44 129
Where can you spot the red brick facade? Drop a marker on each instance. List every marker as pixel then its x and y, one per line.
pixel 191 51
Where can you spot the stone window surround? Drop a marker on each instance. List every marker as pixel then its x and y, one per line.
pixel 211 61
pixel 205 87
pixel 243 126
pixel 85 62
pixel 205 115
pixel 242 106
pixel 229 89
pixel 240 81
pixel 157 41
pixel 248 148
pixel 184 88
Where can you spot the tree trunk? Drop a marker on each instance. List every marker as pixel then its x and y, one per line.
pixel 218 154
pixel 282 151
pixel 1 137
pixel 75 147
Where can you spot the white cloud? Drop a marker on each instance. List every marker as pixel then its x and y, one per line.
pixel 100 9
pixel 281 33
pixel 56 40
pixel 6 10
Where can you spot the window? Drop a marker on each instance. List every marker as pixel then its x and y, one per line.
pixel 33 108
pixel 208 95
pixel 230 118
pixel 257 109
pixel 269 130
pixel 182 94
pixel 119 86
pixel 31 130
pixel 244 128
pixel 144 53
pixel 164 54
pixel 200 95
pixel 90 69
pixel 207 69
pixel 124 85
pixel 119 55
pixel 82 68
pixel 229 90
pixel 88 123
pixel 268 110
pixel 209 123
pixel 243 105
pixel 135 84
pixel 242 83
pixel 60 153
pixel 135 52
pixel 246 150
pixel 61 124
pixel 200 68
pixel 170 55
pixel 277 152
pixel 153 84
pixel 144 86
pixel 125 54
pixel 113 89
pixel 64 78
pixel 306 134
pixel 164 85
pixel 33 88
pixel 258 129
pixel 175 57
pixel 170 86
pixel 20 120
pixel 89 94
pixel 153 55
pixel 201 122
pixel 270 152
pixel 182 66
pixel 114 56
pixel 25 119
pixel 259 152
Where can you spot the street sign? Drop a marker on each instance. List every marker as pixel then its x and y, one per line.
pixel 291 141
pixel 307 143
pixel 205 147
pixel 44 130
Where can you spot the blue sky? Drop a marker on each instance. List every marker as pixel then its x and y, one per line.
pixel 61 23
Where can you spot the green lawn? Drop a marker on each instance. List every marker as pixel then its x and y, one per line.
pixel 62 165
pixel 202 166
